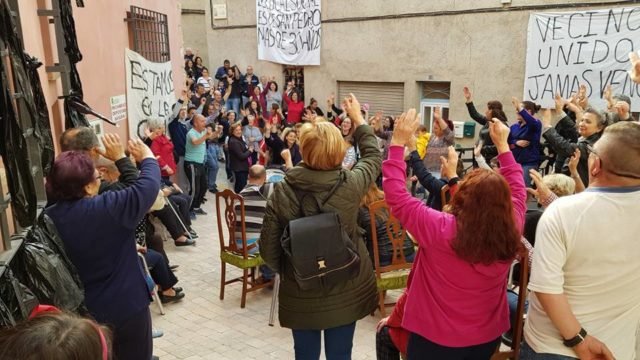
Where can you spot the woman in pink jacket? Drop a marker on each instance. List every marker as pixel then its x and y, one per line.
pixel 456 307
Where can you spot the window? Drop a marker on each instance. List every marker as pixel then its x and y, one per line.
pixel 434 94
pixel 150 30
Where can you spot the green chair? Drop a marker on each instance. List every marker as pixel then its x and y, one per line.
pixel 393 276
pixel 230 253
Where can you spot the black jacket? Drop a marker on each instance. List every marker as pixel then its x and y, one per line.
pixel 128 175
pixel 238 154
pixel 566 148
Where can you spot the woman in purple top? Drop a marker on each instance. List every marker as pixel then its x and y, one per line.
pixel 98 234
pixel 456 306
pixel 439 142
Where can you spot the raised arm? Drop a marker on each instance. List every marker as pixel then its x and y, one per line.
pixel 420 220
pixel 510 169
pixel 367 169
pixel 128 206
pixel 425 178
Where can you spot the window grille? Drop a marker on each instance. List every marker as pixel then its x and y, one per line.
pixel 150 30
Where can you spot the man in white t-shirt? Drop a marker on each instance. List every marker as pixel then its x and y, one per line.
pixel 585 300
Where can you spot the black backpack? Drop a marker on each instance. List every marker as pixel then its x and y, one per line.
pixel 318 247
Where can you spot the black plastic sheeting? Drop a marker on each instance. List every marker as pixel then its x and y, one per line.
pixel 16 300
pixel 41 264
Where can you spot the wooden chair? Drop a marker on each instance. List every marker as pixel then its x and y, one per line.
pixel 229 251
pixel 517 332
pixel 395 275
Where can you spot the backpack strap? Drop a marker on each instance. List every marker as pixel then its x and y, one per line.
pixel 301 195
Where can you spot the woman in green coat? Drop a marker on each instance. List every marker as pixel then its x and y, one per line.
pixel 334 310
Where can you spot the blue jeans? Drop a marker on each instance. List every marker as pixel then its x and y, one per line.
pixel 212 166
pixel 525 174
pixel 338 342
pixel 234 104
pixel 527 353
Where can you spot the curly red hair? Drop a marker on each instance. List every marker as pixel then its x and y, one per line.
pixel 486 226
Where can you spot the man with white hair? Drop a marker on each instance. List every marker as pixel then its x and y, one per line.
pixel 585 302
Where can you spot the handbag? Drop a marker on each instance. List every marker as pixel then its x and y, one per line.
pixel 318 247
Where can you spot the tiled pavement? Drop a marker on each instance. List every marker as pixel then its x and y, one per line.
pixel 202 326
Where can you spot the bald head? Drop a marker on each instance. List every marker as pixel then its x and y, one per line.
pixel 80 139
pixel 257 175
pixel 619 150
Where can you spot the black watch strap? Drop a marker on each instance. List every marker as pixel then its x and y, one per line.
pixel 576 339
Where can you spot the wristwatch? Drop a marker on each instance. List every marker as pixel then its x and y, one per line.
pixel 576 339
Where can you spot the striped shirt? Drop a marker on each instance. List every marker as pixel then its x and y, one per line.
pixel 255 202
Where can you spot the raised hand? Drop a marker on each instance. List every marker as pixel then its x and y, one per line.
pixel 405 127
pixel 467 94
pixel 449 164
pixel 113 147
pixel 352 107
pixel 203 100
pixel 139 150
pixel 573 162
pixel 437 114
pixel 499 134
pixel 541 192
pixel 634 73
pixel 560 102
pixel 516 103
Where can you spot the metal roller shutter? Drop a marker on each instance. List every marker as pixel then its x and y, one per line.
pixel 385 96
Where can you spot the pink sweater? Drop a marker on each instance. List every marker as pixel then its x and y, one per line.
pixel 450 302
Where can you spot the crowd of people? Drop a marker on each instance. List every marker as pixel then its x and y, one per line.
pixel 578 236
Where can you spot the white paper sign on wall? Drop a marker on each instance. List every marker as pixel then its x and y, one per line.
pixel 289 32
pixel 118 107
pixel 591 47
pixel 150 91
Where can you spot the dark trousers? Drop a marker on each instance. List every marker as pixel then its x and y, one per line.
pixel 156 244
pixel 197 175
pixel 170 221
pixel 241 180
pixel 181 203
pixel 385 349
pixel 421 348
pixel 227 164
pixel 338 343
pixel 159 269
pixel 132 339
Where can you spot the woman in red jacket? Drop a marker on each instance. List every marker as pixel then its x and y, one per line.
pixel 294 105
pixel 162 148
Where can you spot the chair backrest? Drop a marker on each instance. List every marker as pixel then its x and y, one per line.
pixel 444 195
pixel 517 331
pixel 397 235
pixel 230 200
pixel 522 297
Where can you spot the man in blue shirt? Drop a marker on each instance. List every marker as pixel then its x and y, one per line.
pixel 194 160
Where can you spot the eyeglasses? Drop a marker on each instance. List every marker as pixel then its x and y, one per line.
pixel 593 152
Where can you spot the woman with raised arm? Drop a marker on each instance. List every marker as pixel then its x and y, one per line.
pixel 524 138
pixel 494 110
pixel 98 235
pixel 331 310
pixel 456 306
pixel 590 128
pixel 295 106
pixel 439 141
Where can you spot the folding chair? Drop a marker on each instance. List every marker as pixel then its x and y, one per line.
pixel 154 291
pixel 229 251
pixel 395 275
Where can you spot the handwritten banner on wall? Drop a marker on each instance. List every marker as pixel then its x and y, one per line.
pixel 567 49
pixel 150 91
pixel 289 31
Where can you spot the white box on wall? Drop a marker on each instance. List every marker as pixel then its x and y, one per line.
pixel 458 129
pixel 219 11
